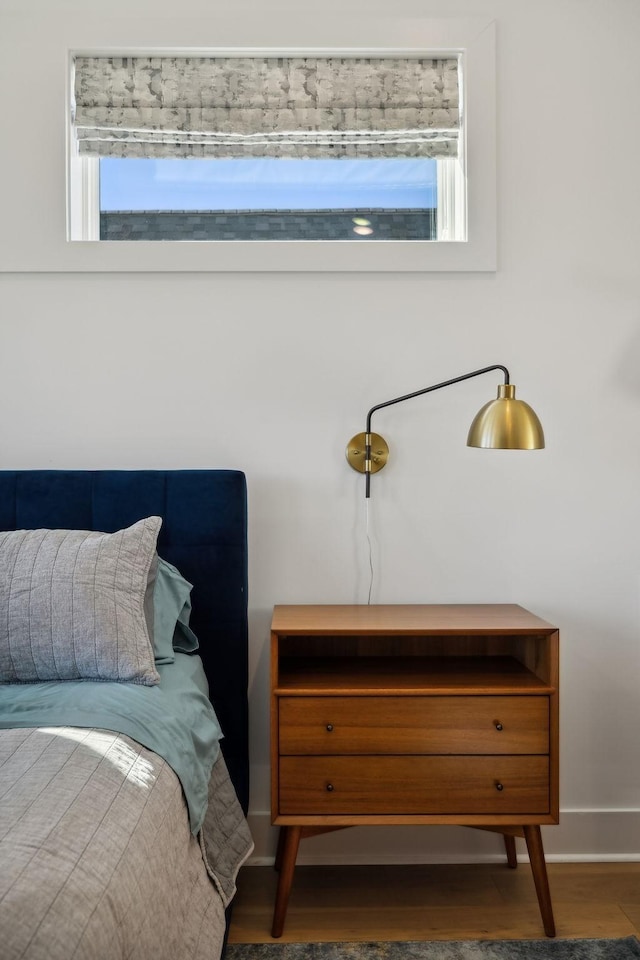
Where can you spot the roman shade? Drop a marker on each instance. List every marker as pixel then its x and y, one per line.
pixel 266 106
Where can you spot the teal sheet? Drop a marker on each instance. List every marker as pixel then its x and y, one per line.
pixel 174 719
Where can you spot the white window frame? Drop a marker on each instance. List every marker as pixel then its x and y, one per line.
pixel 37 215
pixel 451 197
pixel 84 198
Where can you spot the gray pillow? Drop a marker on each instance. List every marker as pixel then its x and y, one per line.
pixel 72 604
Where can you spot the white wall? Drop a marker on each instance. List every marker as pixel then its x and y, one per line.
pixel 272 374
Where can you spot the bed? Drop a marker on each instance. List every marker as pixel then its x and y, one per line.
pixel 123 712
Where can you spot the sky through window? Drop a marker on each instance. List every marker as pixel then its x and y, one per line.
pixel 267 184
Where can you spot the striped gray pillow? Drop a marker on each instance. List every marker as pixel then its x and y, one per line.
pixel 72 604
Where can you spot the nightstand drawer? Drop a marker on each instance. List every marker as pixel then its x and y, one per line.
pixel 413 785
pixel 409 725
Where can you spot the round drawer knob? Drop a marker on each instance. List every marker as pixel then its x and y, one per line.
pixel 498 725
pixel 330 727
pixel 499 786
pixel 329 788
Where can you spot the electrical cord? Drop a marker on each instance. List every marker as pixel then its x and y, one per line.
pixel 368 535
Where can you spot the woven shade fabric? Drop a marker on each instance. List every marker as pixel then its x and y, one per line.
pixel 266 107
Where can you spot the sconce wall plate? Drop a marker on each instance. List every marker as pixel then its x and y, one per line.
pixel 356 452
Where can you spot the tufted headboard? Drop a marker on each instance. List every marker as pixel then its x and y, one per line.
pixel 204 534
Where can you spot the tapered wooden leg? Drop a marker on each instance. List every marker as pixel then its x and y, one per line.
pixel 539 869
pixel 289 843
pixel 277 863
pixel 510 847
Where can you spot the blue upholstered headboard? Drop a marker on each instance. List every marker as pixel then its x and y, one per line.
pixel 204 533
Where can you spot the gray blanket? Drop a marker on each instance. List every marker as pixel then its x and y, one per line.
pixel 97 861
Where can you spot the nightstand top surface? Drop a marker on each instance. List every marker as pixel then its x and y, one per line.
pixel 400 618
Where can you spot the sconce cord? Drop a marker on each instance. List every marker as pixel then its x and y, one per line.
pixel 409 396
pixel 370 547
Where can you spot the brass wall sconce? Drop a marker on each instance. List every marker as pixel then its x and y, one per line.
pixel 502 424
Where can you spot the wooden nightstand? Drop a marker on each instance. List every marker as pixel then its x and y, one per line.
pixel 413 715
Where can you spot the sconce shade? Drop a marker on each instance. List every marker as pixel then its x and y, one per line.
pixel 506 424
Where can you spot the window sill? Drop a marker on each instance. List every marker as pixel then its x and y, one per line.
pixel 260 256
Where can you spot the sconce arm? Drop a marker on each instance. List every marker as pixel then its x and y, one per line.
pixel 436 386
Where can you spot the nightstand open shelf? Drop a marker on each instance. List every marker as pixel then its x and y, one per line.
pixel 408 676
pixel 413 715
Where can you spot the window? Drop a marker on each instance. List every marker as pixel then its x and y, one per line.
pixel 271 148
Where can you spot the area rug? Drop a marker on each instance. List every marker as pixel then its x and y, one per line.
pixel 627 948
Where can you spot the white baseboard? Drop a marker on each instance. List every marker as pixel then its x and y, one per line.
pixel 582 835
